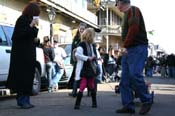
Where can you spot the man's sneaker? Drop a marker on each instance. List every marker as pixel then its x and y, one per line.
pixel 26 106
pixel 145 108
pixel 125 110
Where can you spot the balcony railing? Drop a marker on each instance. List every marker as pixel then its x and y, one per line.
pixel 112 30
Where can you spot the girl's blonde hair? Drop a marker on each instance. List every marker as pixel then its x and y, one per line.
pixel 88 35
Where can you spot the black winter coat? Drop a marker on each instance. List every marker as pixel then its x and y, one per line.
pixel 23 57
pixel 75 44
pixel 87 70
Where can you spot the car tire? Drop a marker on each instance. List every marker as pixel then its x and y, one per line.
pixel 36 83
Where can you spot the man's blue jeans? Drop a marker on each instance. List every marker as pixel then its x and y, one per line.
pixel 50 71
pixel 54 74
pixel 149 72
pixel 58 73
pixel 132 78
pixel 171 71
pixel 99 77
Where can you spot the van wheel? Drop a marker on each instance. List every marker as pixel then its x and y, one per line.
pixel 36 83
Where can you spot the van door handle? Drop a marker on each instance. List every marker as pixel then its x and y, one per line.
pixel 8 51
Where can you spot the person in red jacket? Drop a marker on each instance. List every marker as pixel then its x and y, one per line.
pixel 135 53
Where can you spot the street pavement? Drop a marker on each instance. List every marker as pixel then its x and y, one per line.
pixel 60 104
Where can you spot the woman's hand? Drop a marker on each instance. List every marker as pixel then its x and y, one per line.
pixel 35 22
pixel 92 58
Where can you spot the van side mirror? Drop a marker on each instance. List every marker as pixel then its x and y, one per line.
pixel 37 42
pixel 0 40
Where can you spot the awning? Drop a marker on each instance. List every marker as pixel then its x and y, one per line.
pixel 70 14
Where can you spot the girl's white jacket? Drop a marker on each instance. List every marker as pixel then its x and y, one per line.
pixel 80 60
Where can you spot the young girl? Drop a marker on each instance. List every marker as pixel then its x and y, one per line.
pixel 86 52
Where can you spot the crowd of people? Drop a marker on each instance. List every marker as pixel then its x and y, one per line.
pixel 54 57
pixel 161 65
pixel 92 64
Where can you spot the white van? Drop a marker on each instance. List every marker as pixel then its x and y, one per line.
pixel 40 80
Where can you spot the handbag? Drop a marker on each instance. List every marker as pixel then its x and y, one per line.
pixel 90 71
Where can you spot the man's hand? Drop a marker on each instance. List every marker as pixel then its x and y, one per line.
pixel 124 51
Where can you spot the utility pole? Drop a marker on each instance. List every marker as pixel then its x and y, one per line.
pixel 107 31
pixel 105 4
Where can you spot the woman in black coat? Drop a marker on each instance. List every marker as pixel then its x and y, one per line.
pixel 76 41
pixel 23 55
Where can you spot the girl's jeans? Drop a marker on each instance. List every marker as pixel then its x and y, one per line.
pixel 84 81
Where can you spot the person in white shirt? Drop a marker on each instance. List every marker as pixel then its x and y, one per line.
pixel 60 55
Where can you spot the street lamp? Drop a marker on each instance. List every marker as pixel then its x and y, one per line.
pixel 51 16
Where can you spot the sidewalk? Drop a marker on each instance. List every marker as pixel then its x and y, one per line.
pixel 60 104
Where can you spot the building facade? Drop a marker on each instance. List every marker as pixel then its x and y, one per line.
pixel 109 20
pixel 69 13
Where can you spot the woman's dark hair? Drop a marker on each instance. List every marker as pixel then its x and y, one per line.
pixel 82 25
pixel 32 9
pixel 77 36
pixel 100 48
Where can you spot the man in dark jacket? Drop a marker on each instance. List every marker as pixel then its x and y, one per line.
pixel 49 55
pixel 171 65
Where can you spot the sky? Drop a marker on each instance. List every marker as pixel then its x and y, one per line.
pixel 158 16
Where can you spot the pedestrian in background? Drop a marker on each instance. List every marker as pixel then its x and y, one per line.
pixel 49 55
pixel 171 65
pixel 60 55
pixel 76 41
pixel 23 55
pixel 86 52
pixel 135 53
pixel 149 66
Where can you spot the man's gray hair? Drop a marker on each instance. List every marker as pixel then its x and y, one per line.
pixel 124 1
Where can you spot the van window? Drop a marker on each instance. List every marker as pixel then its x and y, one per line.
pixel 2 37
pixel 8 32
pixel 67 48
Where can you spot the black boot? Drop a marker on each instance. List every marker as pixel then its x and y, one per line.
pixel 74 90
pixel 78 100
pixel 88 92
pixel 94 101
